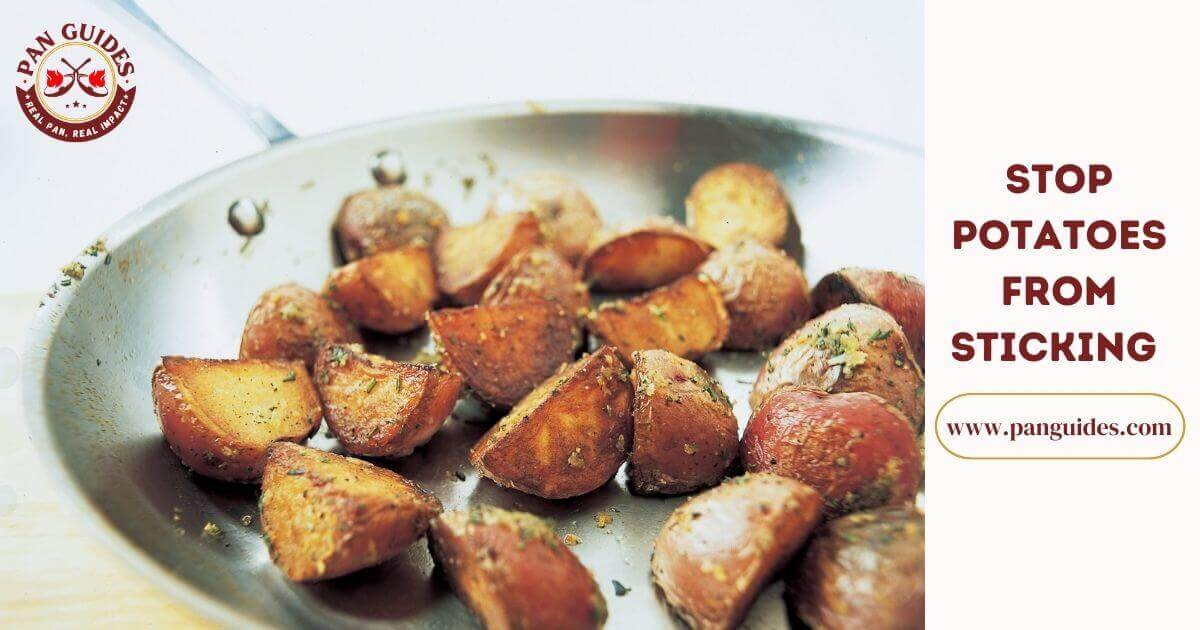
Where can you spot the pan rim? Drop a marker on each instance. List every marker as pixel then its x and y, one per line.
pixel 43 328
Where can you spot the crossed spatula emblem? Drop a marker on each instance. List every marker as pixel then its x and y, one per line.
pixel 59 83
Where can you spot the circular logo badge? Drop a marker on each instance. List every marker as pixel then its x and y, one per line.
pixel 75 84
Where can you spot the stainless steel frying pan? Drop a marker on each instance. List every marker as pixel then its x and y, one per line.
pixel 177 279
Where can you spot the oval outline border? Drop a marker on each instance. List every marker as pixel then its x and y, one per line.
pixel 937 427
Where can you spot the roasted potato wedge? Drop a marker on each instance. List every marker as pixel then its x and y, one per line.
pixel 512 572
pixel 855 449
pixel 388 292
pixel 566 214
pixel 902 296
pixel 686 318
pixel 717 550
pixel 853 348
pixel 291 322
pixel 539 273
pixel 567 437
pixel 644 256
pixel 505 350
pixel 386 218
pixel 764 290
pixel 735 202
pixel 219 415
pixel 469 256
pixel 382 408
pixel 324 515
pixel 684 431
pixel 863 571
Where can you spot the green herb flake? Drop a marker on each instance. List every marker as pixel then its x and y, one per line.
pixel 371 385
pixel 619 588
pixel 291 376
pixel 338 356
pixel 97 248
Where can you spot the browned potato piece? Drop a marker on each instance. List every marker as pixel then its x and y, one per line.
pixel 855 449
pixel 468 257
pixel 902 296
pixel 504 350
pixel 684 431
pixel 567 437
pixel 219 415
pixel 324 515
pixel 539 273
pixel 853 348
pixel 291 322
pixel 382 408
pixel 386 218
pixel 512 572
pixel 686 318
pixel 737 201
pixel 566 214
pixel 388 292
pixel 717 550
pixel 765 293
pixel 863 571
pixel 648 255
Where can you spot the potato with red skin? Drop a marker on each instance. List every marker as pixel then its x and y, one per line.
pixel 566 214
pixel 718 550
pixel 902 296
pixel 388 292
pixel 382 408
pixel 855 449
pixel 687 318
pixel 539 273
pixel 765 292
pixel 735 202
pixel 511 570
pixel 324 515
pixel 684 432
pixel 219 415
pixel 389 217
pixel 567 437
pixel 469 256
pixel 291 322
pixel 861 572
pixel 643 256
pixel 503 351
pixel 853 348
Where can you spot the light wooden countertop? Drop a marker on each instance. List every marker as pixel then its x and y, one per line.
pixel 55 573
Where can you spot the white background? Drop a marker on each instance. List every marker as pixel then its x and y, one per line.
pixel 1062 544
pixel 853 64
pixel 1053 544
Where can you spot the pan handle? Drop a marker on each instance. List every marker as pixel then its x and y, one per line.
pixel 262 120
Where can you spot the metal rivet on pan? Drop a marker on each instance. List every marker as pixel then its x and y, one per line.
pixel 387 167
pixel 246 217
